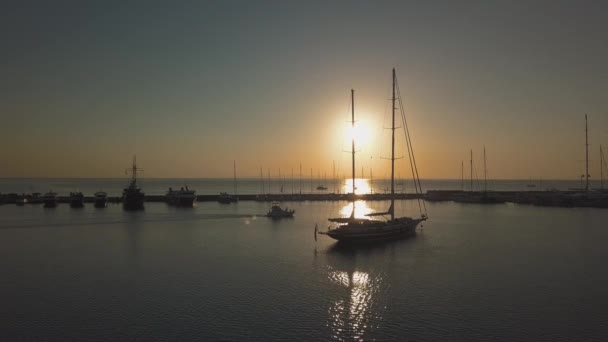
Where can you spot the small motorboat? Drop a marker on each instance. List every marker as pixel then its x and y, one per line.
pixel 277 212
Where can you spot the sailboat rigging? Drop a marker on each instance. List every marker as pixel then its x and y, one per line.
pixel 351 229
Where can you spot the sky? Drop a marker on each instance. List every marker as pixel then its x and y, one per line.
pixel 191 86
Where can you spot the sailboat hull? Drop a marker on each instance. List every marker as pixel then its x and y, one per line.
pixel 372 231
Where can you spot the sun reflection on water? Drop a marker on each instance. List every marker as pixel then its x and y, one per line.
pixel 361 209
pixel 362 186
pixel 351 316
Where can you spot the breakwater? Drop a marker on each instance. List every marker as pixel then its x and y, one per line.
pixel 594 199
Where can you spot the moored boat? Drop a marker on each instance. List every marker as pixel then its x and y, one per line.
pixel 76 199
pixel 101 199
pixel 50 199
pixel 132 195
pixel 21 200
pixel 226 198
pixel 183 197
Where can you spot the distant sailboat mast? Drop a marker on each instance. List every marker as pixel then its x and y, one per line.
pixel 352 98
pixel 471 169
pixel 262 178
pixel 462 175
pixel 485 171
pixel 235 188
pixel 602 161
pixel 391 208
pixel 586 156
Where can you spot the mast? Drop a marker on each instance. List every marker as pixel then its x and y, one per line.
pixel 601 168
pixel 300 178
pixel 352 98
pixel 311 180
pixel 391 209
pixel 269 181
pixel 371 181
pixel 462 175
pixel 586 156
pixel 485 171
pixel 280 181
pixel 292 180
pixel 262 178
pixel 333 176
pixel 471 169
pixel 234 167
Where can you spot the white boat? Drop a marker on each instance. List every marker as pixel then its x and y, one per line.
pixel 277 212
pixel 351 229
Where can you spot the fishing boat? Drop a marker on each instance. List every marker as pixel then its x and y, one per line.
pixel 101 199
pixel 132 195
pixel 76 199
pixel 183 197
pixel 361 230
pixel 276 211
pixel 50 199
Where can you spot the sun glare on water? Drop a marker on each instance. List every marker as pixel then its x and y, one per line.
pixel 361 186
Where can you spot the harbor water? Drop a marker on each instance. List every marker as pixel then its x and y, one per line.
pixel 224 273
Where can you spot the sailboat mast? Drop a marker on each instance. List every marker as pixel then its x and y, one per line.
pixel 391 209
pixel 234 167
pixel 371 181
pixel 462 175
pixel 601 168
pixel 471 169
pixel 352 98
pixel 262 178
pixel 333 176
pixel 586 156
pixel 311 180
pixel 300 177
pixel 485 171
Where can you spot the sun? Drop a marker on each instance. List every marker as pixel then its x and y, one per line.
pixel 361 133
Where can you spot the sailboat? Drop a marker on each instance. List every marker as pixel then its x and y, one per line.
pixel 132 196
pixel 351 229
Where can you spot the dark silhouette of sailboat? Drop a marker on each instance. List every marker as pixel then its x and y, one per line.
pixel 357 230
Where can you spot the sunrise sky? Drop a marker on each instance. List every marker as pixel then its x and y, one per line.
pixel 190 86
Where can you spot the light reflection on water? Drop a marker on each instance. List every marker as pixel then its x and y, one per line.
pixel 361 209
pixel 352 315
pixel 362 186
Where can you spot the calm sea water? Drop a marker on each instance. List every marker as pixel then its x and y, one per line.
pixel 222 273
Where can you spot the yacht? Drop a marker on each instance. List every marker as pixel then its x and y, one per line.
pixel 277 212
pixel 352 229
